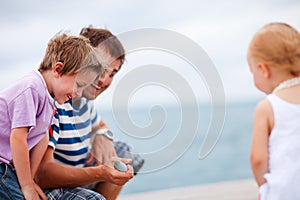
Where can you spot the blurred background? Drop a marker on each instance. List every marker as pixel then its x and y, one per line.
pixel 222 29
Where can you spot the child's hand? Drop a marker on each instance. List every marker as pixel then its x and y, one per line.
pixel 40 192
pixel 33 192
pixel 30 193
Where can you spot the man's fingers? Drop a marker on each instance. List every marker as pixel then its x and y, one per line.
pixel 126 161
pixel 90 160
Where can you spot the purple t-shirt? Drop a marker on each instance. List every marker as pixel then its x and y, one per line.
pixel 27 103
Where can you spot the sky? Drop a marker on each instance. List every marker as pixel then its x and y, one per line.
pixel 222 29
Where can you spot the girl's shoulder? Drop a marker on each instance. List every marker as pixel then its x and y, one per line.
pixel 264 106
pixel 264 112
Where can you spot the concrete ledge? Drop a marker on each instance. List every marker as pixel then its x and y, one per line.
pixel 232 190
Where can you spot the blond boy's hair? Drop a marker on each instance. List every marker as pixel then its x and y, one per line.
pixel 277 44
pixel 75 52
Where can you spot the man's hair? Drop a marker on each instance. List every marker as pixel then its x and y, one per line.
pixel 106 39
pixel 75 52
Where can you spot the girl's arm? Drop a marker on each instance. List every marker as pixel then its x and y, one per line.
pixel 263 124
pixel 20 155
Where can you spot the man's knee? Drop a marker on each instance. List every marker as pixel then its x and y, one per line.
pixel 73 193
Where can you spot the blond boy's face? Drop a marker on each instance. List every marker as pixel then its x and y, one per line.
pixel 71 86
pixel 83 80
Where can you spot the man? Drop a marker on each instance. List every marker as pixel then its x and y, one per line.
pixel 76 126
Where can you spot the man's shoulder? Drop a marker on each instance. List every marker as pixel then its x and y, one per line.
pixel 65 108
pixel 69 108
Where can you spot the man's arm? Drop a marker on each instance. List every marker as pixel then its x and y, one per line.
pixel 55 175
pixel 102 147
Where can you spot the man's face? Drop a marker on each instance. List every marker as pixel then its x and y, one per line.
pixel 104 81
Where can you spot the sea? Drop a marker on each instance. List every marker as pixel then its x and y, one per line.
pixel 228 159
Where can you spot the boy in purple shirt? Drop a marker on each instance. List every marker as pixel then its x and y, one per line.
pixel 62 172
pixel 26 110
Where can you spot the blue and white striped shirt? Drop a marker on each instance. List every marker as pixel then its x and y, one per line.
pixel 70 134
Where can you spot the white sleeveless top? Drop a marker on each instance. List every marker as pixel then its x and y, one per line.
pixel 283 179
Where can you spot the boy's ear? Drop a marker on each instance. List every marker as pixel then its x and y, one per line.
pixel 57 68
pixel 265 68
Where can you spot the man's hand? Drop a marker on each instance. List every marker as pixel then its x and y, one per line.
pixel 102 150
pixel 114 176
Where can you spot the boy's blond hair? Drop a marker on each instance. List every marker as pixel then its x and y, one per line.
pixel 75 52
pixel 277 44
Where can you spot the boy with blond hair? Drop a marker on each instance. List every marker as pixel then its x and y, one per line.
pixel 69 65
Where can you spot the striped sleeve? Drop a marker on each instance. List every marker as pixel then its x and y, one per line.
pixel 54 130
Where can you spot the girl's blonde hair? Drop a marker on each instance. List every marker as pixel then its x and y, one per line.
pixel 277 44
pixel 75 52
